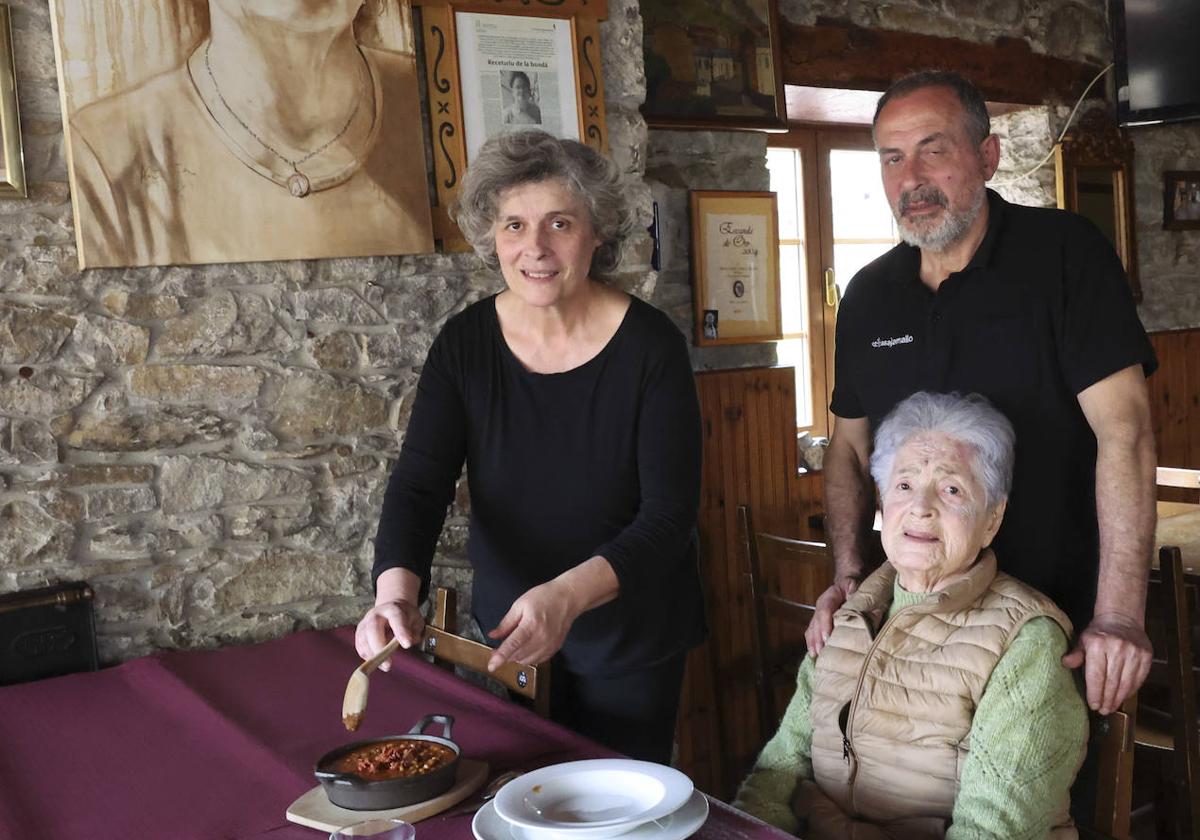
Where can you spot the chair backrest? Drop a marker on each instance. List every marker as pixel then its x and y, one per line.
pixel 529 681
pixel 1172 604
pixel 1178 477
pixel 771 563
pixel 1112 738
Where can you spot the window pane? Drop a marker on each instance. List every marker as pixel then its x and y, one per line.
pixel 784 167
pixel 863 226
pixel 794 352
pixel 860 209
pixel 793 302
pixel 786 181
pixel 848 259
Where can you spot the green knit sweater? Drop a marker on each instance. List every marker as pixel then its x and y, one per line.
pixel 1027 739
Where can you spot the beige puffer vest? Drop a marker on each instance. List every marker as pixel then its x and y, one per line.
pixel 892 709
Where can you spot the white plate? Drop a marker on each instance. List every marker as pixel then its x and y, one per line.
pixel 593 799
pixel 488 825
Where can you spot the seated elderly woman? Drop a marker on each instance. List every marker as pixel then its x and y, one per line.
pixel 939 706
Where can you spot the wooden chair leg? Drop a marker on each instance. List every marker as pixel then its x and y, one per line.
pixel 445 610
pixel 541 701
pixel 445 617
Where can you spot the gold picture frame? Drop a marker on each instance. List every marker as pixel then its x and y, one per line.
pixel 456 117
pixel 12 160
pixel 735 267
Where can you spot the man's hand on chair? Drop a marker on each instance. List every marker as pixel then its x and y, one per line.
pixel 1115 653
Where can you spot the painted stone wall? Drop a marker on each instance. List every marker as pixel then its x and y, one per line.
pixel 208 446
pixel 1168 260
pixel 1075 29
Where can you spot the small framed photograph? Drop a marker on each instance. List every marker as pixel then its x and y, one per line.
pixel 1181 200
pixel 12 162
pixel 735 267
pixel 716 68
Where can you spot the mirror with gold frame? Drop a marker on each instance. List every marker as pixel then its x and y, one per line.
pixel 1094 177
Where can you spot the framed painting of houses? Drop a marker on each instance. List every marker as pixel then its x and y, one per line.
pixel 712 64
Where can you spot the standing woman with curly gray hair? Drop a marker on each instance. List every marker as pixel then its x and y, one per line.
pixel 573 407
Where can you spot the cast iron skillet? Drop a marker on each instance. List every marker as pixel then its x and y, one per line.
pixel 349 790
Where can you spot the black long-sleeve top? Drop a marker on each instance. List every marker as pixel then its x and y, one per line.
pixel 603 459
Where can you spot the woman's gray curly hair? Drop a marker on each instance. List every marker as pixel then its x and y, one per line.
pixel 970 419
pixel 529 157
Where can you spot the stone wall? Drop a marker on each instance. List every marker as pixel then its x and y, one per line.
pixel 209 445
pixel 1076 29
pixel 1168 260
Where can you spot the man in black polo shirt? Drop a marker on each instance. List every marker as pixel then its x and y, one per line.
pixel 1031 308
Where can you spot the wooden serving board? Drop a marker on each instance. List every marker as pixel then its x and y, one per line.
pixel 314 809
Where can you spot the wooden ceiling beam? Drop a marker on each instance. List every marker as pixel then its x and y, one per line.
pixel 841 55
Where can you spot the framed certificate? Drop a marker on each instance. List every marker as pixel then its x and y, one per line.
pixel 735 267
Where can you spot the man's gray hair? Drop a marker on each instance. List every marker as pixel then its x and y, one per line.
pixel 528 157
pixel 969 419
pixel 978 123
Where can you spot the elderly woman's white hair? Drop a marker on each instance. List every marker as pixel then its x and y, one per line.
pixel 528 157
pixel 970 419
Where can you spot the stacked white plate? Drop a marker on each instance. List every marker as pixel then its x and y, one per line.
pixel 591 800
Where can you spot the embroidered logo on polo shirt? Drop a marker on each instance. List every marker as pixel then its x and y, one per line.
pixel 892 342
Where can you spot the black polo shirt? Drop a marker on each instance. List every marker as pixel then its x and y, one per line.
pixel 1042 311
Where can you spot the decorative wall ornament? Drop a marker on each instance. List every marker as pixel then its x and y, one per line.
pixel 713 64
pixel 12 161
pixel 507 65
pixel 241 134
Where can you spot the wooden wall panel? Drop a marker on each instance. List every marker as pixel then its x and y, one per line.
pixel 749 430
pixel 1175 398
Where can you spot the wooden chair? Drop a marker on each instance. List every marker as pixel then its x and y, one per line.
pixel 527 681
pixel 47 632
pixel 770 560
pixel 1112 736
pixel 1173 730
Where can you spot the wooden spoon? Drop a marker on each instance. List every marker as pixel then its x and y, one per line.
pixel 355 701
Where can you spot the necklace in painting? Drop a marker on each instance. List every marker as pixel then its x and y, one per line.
pixel 298 184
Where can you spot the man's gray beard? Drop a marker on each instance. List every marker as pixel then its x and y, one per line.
pixel 952 228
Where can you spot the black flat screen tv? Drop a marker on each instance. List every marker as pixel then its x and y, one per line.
pixel 1157 55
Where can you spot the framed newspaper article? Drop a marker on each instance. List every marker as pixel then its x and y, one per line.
pixel 507 65
pixel 735 267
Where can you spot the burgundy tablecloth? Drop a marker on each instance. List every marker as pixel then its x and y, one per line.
pixel 217 744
